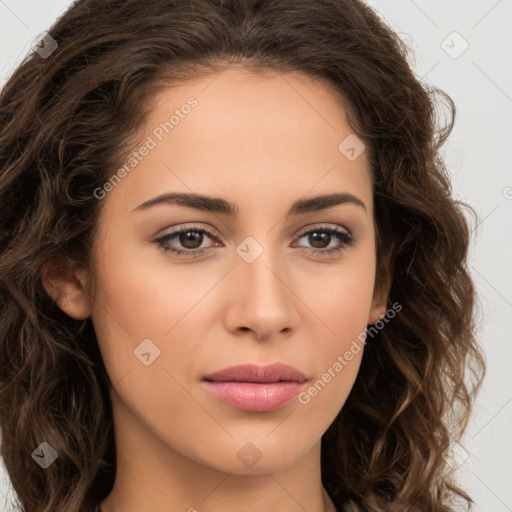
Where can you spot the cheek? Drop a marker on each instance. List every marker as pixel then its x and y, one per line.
pixel 342 304
pixel 139 318
pixel 338 350
pixel 342 297
pixel 136 302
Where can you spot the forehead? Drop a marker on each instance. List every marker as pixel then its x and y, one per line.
pixel 239 134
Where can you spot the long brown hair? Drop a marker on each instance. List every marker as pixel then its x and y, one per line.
pixel 67 119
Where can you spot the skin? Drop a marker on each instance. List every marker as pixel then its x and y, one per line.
pixel 261 142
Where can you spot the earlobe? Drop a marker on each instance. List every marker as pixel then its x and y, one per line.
pixel 65 285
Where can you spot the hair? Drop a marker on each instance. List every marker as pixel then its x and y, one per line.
pixel 67 120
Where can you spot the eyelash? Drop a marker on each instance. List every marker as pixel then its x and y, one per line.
pixel 345 237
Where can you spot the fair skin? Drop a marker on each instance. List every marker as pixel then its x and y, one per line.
pixel 261 142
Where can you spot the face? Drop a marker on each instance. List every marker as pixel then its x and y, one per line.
pixel 280 279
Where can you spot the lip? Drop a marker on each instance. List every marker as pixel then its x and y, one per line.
pixel 256 388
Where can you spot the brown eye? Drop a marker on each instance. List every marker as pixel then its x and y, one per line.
pixel 190 239
pixel 186 241
pixel 320 239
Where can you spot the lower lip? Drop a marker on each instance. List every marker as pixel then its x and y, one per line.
pixel 255 397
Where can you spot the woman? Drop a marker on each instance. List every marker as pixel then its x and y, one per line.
pixel 231 270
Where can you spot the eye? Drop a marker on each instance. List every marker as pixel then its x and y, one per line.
pixel 191 238
pixel 322 236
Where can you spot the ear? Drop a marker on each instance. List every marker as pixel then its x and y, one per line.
pixel 65 284
pixel 381 291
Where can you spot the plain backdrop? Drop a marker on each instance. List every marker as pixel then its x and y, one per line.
pixel 464 47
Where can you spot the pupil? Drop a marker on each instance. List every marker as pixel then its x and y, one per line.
pixel 322 237
pixel 190 236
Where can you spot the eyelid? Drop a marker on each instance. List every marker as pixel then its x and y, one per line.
pixel 323 226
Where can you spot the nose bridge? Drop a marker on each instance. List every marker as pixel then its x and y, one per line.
pixel 264 299
pixel 260 264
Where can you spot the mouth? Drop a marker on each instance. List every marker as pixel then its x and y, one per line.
pixel 276 372
pixel 256 388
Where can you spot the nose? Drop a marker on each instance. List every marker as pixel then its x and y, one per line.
pixel 262 300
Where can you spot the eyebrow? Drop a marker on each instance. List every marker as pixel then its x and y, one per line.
pixel 221 206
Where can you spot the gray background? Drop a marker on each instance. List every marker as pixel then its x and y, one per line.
pixel 479 156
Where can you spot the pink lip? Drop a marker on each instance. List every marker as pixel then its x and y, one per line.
pixel 256 388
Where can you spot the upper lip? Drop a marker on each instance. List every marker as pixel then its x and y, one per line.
pixel 253 373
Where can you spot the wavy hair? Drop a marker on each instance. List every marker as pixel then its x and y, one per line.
pixel 67 120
